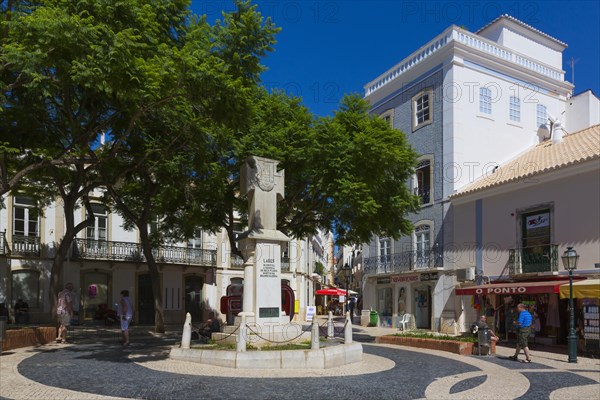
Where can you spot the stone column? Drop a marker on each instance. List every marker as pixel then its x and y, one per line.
pixel 186 337
pixel 247 248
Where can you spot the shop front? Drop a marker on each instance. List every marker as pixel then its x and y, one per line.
pixel 586 297
pixel 397 295
pixel 499 301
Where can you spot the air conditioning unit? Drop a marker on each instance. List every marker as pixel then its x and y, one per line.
pixel 466 274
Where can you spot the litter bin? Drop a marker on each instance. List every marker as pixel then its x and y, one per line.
pixel 484 341
pixel 374 318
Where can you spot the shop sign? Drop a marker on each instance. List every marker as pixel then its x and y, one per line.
pixel 383 280
pixel 404 278
pixel 538 221
pixel 429 277
pixel 310 313
pixel 502 290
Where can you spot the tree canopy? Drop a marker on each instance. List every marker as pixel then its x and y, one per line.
pixel 160 109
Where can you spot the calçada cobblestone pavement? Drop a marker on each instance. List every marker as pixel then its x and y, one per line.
pixel 103 369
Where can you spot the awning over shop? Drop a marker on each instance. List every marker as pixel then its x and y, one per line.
pixel 588 289
pixel 512 288
pixel 335 292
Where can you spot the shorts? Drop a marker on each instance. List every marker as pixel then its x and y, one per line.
pixel 64 319
pixel 523 336
pixel 125 323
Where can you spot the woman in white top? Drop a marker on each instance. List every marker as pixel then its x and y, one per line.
pixel 125 312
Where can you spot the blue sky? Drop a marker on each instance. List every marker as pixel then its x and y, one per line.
pixel 328 48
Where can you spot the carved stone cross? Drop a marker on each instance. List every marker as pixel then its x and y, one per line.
pixel 264 186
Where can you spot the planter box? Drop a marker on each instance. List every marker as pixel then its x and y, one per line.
pixel 25 337
pixel 462 348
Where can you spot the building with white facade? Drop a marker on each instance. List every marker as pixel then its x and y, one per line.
pixel 468 102
pixel 106 258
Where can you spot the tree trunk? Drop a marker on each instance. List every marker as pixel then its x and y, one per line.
pixel 159 323
pixel 65 244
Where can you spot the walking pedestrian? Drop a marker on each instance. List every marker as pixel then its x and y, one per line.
pixel 64 312
pixel 125 312
pixel 523 331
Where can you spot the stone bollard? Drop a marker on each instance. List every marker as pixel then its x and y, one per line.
pixel 186 338
pixel 330 329
pixel 242 334
pixel 348 329
pixel 314 338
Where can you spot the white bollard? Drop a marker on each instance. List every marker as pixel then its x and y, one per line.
pixel 241 339
pixel 314 338
pixel 348 329
pixel 330 326
pixel 186 338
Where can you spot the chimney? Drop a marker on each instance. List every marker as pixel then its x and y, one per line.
pixel 557 132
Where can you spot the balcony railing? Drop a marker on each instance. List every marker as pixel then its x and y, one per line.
pixel 403 262
pixel 25 245
pixel 533 259
pixel 128 251
pixel 423 193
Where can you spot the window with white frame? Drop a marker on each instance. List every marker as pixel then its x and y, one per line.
pixel 422 109
pixel 422 181
pixel 25 218
pixel 542 115
pixel 384 250
pixel 388 117
pixel 196 241
pixel 422 245
pixel 514 109
pixel 485 100
pixel 99 229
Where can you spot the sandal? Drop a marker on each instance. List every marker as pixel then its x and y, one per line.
pixel 514 358
pixel 527 360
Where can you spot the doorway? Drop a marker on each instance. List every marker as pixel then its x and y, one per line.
pixel 94 292
pixel 145 306
pixel 193 297
pixel 423 307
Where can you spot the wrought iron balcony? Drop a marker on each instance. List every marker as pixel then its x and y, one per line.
pixel 403 262
pixel 128 251
pixel 531 259
pixel 423 193
pixel 25 246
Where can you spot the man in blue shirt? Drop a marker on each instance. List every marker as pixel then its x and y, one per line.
pixel 524 329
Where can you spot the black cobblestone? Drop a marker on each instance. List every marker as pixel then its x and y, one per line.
pixel 105 369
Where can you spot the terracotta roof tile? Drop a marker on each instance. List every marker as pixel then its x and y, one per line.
pixel 575 148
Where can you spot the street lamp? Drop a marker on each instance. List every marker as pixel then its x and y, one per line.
pixel 347 269
pixel 569 259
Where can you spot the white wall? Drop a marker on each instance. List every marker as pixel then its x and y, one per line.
pixel 525 42
pixel 480 140
pixel 575 222
pixel 582 111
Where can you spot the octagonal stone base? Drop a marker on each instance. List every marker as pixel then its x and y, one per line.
pixel 323 358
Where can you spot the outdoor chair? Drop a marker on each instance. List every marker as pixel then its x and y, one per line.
pixel 404 322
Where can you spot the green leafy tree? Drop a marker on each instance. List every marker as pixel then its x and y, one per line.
pixel 345 173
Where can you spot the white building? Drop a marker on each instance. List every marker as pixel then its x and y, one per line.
pixel 468 102
pixel 106 258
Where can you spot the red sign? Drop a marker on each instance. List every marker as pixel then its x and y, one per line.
pixel 404 278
